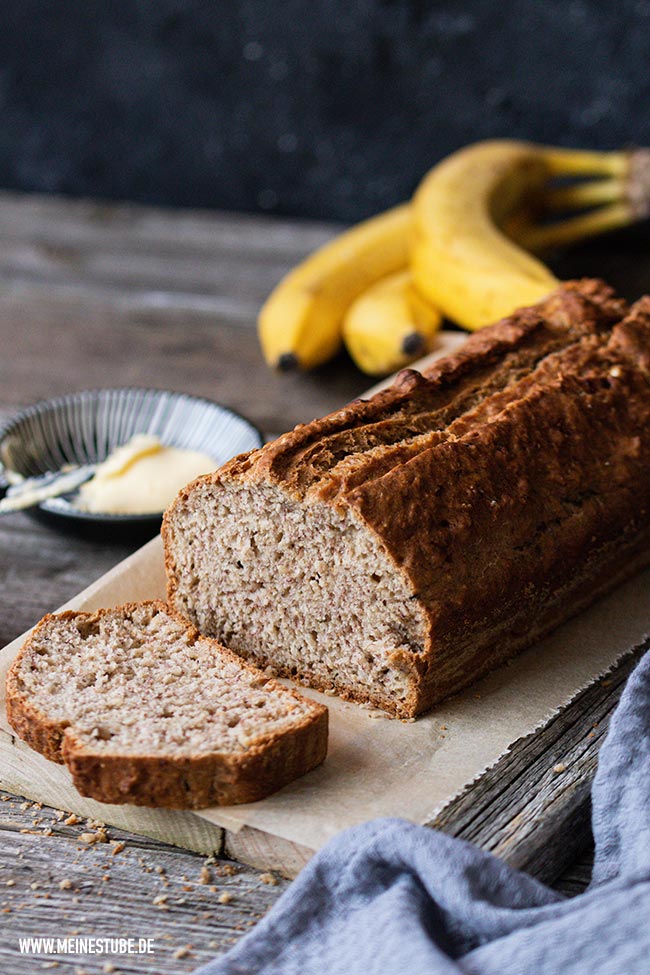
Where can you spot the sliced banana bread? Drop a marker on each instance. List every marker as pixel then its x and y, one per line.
pixel 400 548
pixel 143 709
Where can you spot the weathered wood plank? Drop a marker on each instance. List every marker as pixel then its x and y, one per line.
pixel 532 808
pixel 209 263
pixel 54 884
pixel 97 295
pixel 265 852
pixel 576 877
pixel 95 225
pixel 86 341
pixel 221 278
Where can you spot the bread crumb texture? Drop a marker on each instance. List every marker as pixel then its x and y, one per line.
pixel 142 681
pixel 143 709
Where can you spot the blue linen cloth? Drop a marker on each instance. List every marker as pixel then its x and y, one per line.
pixel 391 898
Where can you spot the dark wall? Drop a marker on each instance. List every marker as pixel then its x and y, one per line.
pixel 327 108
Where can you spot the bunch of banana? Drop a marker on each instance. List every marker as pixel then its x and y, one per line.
pixel 463 248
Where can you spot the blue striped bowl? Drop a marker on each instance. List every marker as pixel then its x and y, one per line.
pixel 85 427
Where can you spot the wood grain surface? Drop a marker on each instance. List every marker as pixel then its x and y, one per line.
pixel 55 883
pixel 100 295
pixel 96 296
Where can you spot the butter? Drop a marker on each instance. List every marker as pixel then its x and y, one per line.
pixel 141 477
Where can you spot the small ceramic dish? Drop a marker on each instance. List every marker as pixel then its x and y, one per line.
pixel 83 428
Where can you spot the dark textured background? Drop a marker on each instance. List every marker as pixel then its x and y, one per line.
pixel 327 108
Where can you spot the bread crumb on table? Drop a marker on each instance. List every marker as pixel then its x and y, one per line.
pixel 224 898
pixel 183 952
pixel 268 878
pixel 560 767
pixel 99 836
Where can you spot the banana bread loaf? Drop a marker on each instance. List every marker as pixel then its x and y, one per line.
pixel 400 548
pixel 143 709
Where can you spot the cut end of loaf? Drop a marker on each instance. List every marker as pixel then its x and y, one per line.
pixel 143 709
pixel 304 588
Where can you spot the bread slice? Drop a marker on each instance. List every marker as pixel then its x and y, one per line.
pixel 398 549
pixel 143 709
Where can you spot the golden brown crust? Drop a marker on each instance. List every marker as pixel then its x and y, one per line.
pixel 577 308
pixel 151 780
pixel 574 310
pixel 532 445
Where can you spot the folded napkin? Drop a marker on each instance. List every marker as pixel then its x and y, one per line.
pixel 390 898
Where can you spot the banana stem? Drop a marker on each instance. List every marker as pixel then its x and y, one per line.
pixel 630 168
pixel 580 162
pixel 576 228
pixel 583 195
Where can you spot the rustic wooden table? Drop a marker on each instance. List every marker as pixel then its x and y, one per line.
pixel 99 295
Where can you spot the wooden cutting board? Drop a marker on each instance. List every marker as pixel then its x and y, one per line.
pixel 376 766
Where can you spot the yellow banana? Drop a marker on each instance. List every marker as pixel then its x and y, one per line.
pixel 300 325
pixel 461 260
pixel 464 246
pixel 389 325
pixel 466 264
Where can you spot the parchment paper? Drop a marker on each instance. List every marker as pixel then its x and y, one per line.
pixel 378 766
